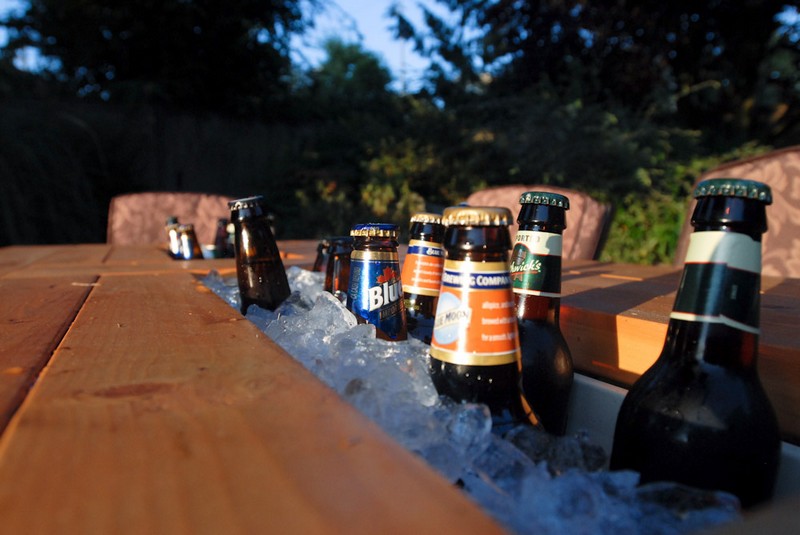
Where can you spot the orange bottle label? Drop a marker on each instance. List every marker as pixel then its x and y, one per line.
pixel 475 320
pixel 422 268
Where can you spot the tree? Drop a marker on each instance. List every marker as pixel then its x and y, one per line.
pixel 698 63
pixel 221 55
pixel 350 79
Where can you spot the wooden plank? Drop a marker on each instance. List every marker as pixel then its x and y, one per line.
pixel 33 318
pixel 615 320
pixel 87 254
pixel 17 257
pixel 79 260
pixel 164 411
pixel 135 255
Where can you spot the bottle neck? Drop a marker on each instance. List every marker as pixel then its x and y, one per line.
pixel 427 232
pixel 477 243
pixel 536 271
pixel 716 313
pixel 537 308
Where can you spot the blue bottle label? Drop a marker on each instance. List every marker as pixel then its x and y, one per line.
pixel 375 293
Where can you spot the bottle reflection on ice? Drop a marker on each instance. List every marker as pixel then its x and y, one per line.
pixel 259 268
pixel 699 415
pixel 536 279
pixel 422 274
pixel 375 294
pixel 474 353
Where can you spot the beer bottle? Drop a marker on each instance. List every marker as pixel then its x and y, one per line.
pixel 174 239
pixel 337 271
pixel 190 246
pixel 221 242
pixel 699 415
pixel 422 274
pixel 323 250
pixel 536 280
pixel 474 354
pixel 375 294
pixel 259 269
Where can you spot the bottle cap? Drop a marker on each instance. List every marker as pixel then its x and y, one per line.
pixel 491 216
pixel 380 230
pixel 734 187
pixel 545 197
pixel 426 217
pixel 248 207
pixel 246 202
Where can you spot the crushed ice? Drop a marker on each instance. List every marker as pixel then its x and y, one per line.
pixel 530 481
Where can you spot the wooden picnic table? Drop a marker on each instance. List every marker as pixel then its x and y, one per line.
pixel 133 400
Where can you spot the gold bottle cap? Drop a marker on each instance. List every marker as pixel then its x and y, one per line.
pixel 487 216
pixel 379 230
pixel 426 217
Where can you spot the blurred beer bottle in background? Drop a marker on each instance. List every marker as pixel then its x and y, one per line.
pixel 422 274
pixel 699 415
pixel 337 270
pixel 222 245
pixel 375 294
pixel 173 238
pixel 547 372
pixel 190 246
pixel 323 251
pixel 259 268
pixel 474 354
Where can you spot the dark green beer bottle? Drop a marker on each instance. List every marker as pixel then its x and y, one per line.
pixel 699 415
pixel 547 373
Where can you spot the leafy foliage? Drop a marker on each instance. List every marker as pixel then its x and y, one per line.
pixel 628 101
pixel 227 55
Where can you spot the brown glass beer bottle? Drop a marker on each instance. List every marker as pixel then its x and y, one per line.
pixel 374 293
pixel 547 372
pixel 474 354
pixel 699 415
pixel 337 271
pixel 422 274
pixel 190 246
pixel 222 245
pixel 259 268
pixel 323 252
pixel 173 238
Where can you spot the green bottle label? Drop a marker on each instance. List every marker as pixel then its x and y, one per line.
pixel 536 264
pixel 721 281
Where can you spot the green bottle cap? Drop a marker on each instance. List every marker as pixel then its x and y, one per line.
pixel 734 187
pixel 545 197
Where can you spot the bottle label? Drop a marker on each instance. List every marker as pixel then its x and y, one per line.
pixel 422 268
pixel 475 321
pixel 375 293
pixel 721 281
pixel 536 263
